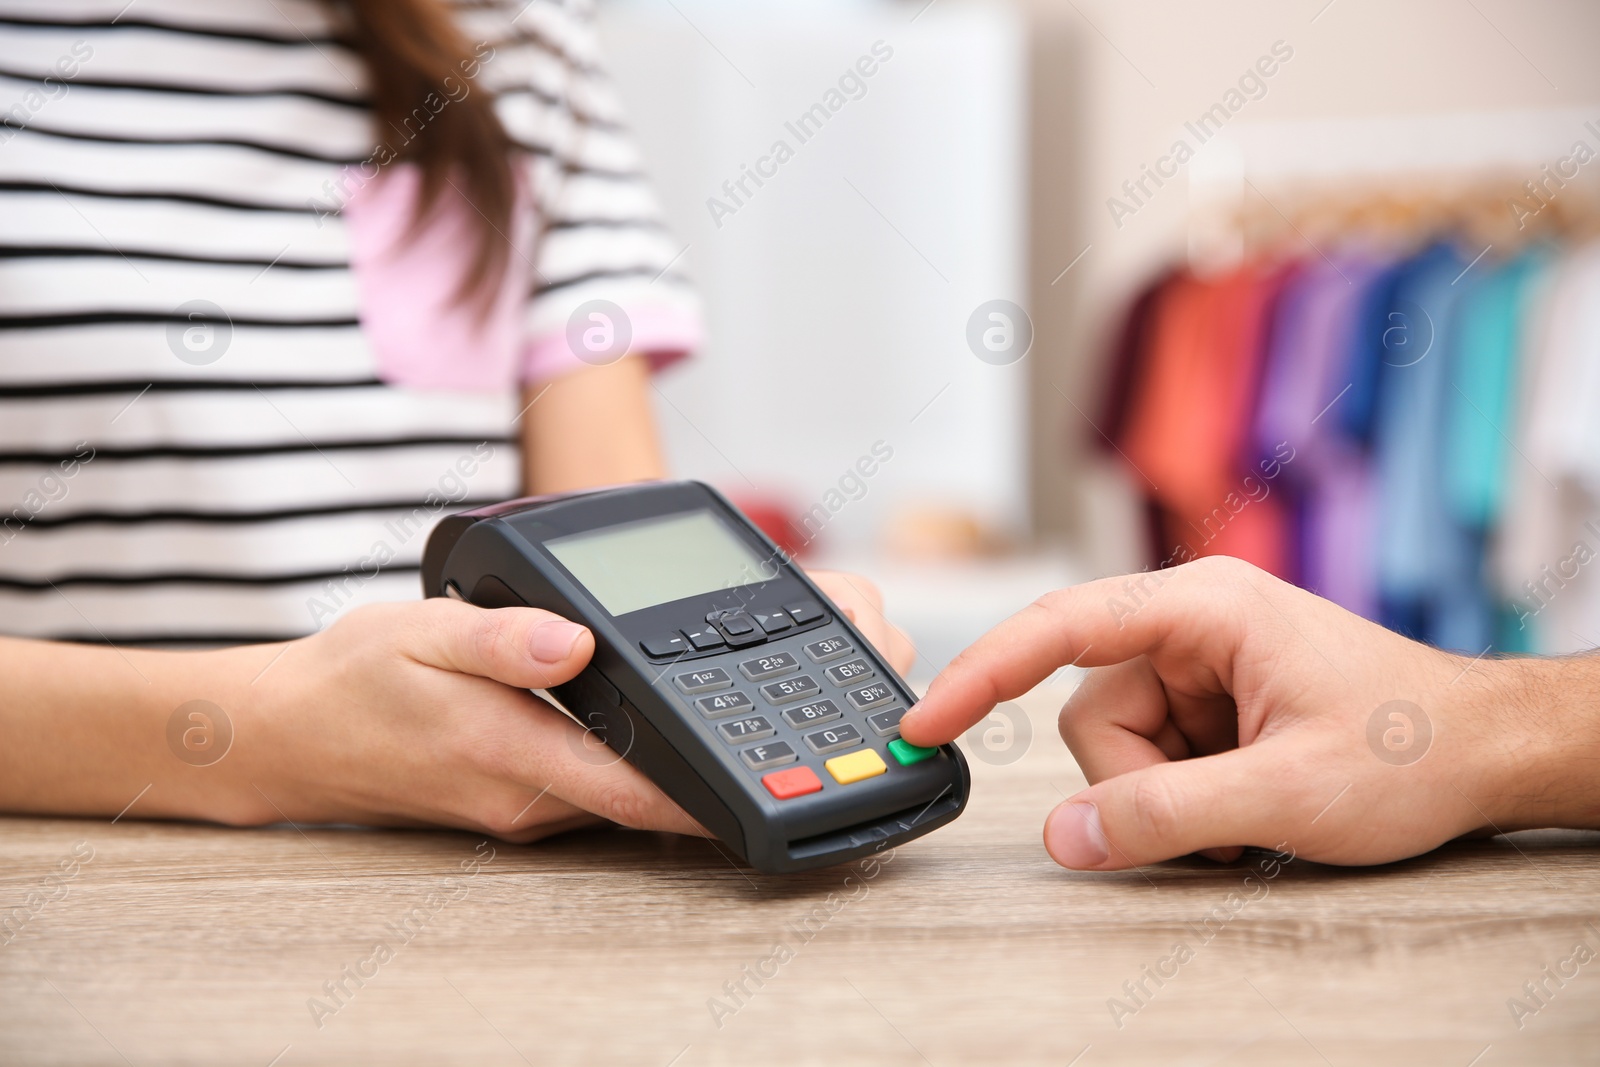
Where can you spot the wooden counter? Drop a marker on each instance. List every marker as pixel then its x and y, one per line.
pixel 192 944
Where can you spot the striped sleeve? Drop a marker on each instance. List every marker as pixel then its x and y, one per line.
pixel 196 446
pixel 603 248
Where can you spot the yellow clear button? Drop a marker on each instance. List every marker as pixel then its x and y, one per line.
pixel 856 766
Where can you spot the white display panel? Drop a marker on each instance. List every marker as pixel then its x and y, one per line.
pixel 653 561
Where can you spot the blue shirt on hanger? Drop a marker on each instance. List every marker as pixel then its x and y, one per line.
pixel 1429 569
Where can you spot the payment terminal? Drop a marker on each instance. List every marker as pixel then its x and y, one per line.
pixel 720 670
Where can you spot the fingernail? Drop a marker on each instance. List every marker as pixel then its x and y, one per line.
pixel 1073 837
pixel 552 641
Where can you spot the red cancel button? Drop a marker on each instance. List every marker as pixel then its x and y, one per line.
pixel 794 782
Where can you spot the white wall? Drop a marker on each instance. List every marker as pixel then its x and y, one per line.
pixel 838 294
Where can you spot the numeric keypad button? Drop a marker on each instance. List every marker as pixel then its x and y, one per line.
pixel 724 704
pixel 857 670
pixel 812 714
pixel 763 667
pixel 791 689
pixel 833 738
pixel 753 728
pixel 870 696
pixel 829 649
pixel 703 681
pixel 886 723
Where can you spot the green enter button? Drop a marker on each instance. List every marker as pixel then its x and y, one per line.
pixel 906 753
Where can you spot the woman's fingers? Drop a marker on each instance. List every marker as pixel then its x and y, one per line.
pixel 523 770
pixel 536 769
pixel 861 601
pixel 575 766
pixel 896 647
pixel 522 647
pixel 521 817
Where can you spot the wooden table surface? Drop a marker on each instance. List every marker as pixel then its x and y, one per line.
pixel 193 944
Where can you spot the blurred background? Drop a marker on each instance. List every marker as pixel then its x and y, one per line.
pixel 1003 296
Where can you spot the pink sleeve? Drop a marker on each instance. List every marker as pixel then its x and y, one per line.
pixel 661 331
pixel 422 337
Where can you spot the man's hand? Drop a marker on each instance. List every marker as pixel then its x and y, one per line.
pixel 1227 708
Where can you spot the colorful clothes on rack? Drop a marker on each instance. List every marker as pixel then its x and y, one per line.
pixel 1188 426
pixel 1412 436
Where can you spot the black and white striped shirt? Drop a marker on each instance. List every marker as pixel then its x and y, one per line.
pixel 169 476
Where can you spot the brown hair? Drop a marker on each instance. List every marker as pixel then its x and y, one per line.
pixel 414 50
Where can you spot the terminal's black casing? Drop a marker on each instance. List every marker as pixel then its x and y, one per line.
pixel 495 557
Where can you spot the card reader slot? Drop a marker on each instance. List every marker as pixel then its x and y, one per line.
pixel 873 831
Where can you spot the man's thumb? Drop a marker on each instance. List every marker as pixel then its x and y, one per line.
pixel 1167 810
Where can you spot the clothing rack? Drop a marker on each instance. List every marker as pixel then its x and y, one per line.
pixel 1394 180
pixel 1375 376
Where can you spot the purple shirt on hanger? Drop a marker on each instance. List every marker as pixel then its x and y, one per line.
pixel 1307 375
